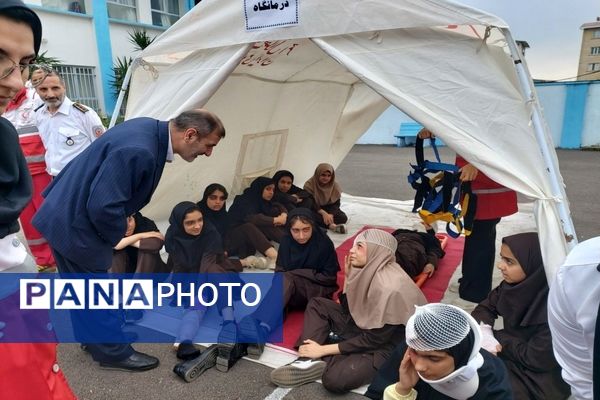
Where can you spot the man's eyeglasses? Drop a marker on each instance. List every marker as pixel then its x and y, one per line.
pixel 8 66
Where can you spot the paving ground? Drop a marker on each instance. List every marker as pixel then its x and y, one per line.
pixel 375 171
pixel 380 171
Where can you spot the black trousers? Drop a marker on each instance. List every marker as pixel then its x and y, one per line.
pixel 96 323
pixel 478 261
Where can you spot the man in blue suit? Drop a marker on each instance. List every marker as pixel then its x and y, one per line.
pixel 84 214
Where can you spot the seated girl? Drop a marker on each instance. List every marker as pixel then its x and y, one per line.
pixel 345 343
pixel 525 343
pixel 139 251
pixel 441 359
pixel 309 265
pixel 244 240
pixel 255 206
pixel 326 194
pixel 194 247
pixel 288 194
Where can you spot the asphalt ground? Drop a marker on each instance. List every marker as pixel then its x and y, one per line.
pixel 380 171
pixel 370 171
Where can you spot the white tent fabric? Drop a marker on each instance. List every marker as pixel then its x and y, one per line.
pixel 293 97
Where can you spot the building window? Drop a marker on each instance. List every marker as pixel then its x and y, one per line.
pixel 594 67
pixel 124 10
pixel 595 51
pixel 80 82
pixel 164 12
pixel 77 6
pixel 596 34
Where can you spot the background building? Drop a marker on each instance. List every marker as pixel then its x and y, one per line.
pixel 89 35
pixel 589 57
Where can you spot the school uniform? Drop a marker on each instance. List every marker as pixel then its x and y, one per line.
pixel 308 271
pixel 493 380
pixel 417 249
pixel 363 351
pixel 369 321
pixel 294 197
pixel 239 241
pixel 250 207
pixel 326 197
pixel 525 339
pixel 189 254
pixel 143 259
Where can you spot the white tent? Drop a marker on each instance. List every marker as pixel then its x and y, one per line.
pixel 297 95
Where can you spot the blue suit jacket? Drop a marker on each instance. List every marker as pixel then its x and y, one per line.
pixel 84 214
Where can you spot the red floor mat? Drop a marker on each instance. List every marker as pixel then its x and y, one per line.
pixel 433 288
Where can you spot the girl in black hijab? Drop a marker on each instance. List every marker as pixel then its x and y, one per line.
pixel 288 194
pixel 194 246
pixel 255 206
pixel 525 343
pixel 213 207
pixel 192 243
pixel 308 260
pixel 309 265
pixel 241 241
pixel 139 250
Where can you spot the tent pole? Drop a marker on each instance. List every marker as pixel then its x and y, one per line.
pixel 542 134
pixel 124 86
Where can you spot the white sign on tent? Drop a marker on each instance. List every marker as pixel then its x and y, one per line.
pixel 260 14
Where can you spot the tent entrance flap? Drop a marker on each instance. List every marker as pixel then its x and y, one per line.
pixel 260 155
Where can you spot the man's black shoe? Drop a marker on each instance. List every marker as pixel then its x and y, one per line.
pixel 191 369
pixel 136 362
pixel 187 351
pixel 254 334
pixel 228 333
pixel 229 354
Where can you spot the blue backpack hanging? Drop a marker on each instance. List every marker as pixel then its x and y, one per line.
pixel 439 192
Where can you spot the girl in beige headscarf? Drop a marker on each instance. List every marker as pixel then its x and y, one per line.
pixel 345 343
pixel 326 194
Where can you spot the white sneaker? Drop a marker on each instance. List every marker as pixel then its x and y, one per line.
pixel 256 262
pixel 251 261
pixel 261 263
pixel 298 372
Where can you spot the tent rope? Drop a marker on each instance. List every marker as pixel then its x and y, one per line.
pixel 149 68
pixel 487 34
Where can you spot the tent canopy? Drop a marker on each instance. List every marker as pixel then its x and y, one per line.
pixel 292 97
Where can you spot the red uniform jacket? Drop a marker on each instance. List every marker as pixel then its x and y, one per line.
pixel 493 200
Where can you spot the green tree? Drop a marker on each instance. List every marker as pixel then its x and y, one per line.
pixel 140 40
pixel 44 59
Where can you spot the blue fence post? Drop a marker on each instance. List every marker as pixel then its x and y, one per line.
pixel 104 48
pixel 572 128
